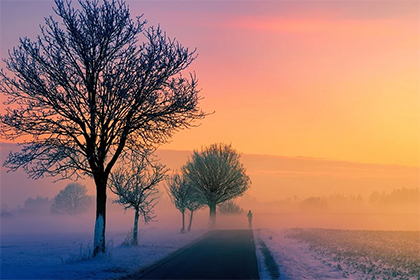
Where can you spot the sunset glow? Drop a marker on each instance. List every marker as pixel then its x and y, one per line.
pixel 297 156
pixel 333 80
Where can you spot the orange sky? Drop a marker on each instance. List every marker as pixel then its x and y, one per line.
pixel 328 79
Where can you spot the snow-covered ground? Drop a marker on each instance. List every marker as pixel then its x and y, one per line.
pixel 338 254
pixel 295 260
pixel 58 256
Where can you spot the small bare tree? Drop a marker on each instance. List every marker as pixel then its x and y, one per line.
pixel 94 87
pixel 217 176
pixel 177 189
pixel 136 188
pixel 183 196
pixel 72 200
pixel 193 204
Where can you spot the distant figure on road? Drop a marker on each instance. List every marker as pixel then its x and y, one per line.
pixel 249 219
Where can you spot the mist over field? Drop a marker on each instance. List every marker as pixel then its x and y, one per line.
pixel 285 193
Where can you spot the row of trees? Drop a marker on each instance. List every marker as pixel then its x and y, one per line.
pixel 213 176
pixel 72 200
pixel 404 196
pixel 210 177
pixel 95 88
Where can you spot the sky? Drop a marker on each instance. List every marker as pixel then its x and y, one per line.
pixel 319 96
pixel 336 80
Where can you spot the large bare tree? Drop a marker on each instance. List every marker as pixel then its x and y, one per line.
pixel 136 188
pixel 92 88
pixel 217 175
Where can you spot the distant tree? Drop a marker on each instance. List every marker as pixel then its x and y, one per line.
pixel 184 196
pixel 36 206
pixel 340 199
pixel 374 197
pixel 230 208
pixel 404 196
pixel 179 189
pixel 90 90
pixel 314 204
pixel 193 204
pixel 5 213
pixel 217 175
pixel 136 187
pixel 73 200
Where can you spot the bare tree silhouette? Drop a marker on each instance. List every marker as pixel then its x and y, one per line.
pixel 136 188
pixel 218 176
pixel 92 89
pixel 178 193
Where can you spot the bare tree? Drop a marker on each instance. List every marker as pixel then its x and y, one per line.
pixel 72 200
pixel 36 206
pixel 177 189
pixel 136 188
pixel 193 204
pixel 90 90
pixel 217 174
pixel 183 196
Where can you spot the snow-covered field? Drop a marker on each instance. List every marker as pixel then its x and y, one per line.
pixel 60 256
pixel 340 254
pixel 282 254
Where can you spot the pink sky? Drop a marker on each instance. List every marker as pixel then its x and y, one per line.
pixel 332 81
pixel 329 79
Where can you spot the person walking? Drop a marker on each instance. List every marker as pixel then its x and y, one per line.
pixel 249 219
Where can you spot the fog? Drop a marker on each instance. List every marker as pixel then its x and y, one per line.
pixel 285 193
pixel 265 215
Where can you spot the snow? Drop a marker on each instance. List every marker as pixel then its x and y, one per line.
pixel 64 255
pixel 61 256
pixel 99 229
pixel 294 259
pixel 262 268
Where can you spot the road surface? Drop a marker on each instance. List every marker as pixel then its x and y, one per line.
pixel 222 254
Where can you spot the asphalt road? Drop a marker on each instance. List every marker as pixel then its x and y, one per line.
pixel 222 254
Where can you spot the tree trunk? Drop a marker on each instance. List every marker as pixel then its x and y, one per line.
pixel 99 238
pixel 191 218
pixel 212 207
pixel 135 229
pixel 183 221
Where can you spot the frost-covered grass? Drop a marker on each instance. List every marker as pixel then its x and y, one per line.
pixel 377 254
pixel 295 260
pixel 343 254
pixel 67 256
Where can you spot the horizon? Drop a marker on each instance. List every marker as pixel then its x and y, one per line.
pixel 274 178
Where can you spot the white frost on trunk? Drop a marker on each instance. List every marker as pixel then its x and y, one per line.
pixel 99 228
